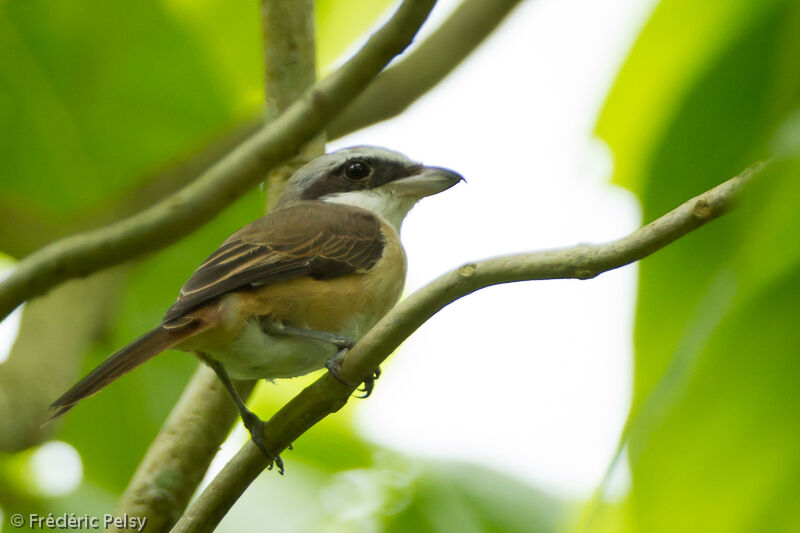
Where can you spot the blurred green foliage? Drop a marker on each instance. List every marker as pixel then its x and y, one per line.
pixel 97 95
pixel 714 445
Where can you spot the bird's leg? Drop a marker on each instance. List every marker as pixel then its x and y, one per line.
pixel 334 366
pixel 251 420
pixel 276 328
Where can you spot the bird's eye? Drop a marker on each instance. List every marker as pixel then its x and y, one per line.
pixel 357 170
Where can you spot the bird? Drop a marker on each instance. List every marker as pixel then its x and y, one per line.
pixel 291 292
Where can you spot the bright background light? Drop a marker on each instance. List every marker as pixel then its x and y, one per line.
pixel 533 379
pixel 10 326
pixel 57 468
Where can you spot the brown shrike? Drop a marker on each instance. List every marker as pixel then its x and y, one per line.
pixel 288 293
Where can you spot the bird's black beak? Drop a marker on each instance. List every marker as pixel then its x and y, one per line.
pixel 427 182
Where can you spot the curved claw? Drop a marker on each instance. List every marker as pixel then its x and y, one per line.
pixel 334 367
pixel 277 461
pixel 369 383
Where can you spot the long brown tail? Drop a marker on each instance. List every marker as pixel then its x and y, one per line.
pixel 134 354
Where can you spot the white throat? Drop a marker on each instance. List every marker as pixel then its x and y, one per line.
pixel 382 202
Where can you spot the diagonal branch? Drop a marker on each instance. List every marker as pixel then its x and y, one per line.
pixel 197 203
pixel 179 456
pixel 43 226
pixel 327 395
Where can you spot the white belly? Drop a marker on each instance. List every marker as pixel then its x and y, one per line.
pixel 255 354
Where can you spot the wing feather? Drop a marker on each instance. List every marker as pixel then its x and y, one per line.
pixel 309 239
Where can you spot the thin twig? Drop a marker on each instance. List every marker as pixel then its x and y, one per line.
pixel 438 55
pixel 197 203
pixel 327 395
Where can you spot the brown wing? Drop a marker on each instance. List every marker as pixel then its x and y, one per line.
pixel 307 239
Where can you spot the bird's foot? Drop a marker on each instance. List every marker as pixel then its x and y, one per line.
pixel 256 428
pixel 334 366
pixel 343 342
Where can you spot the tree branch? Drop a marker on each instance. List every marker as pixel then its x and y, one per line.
pixel 289 68
pixel 327 395
pixel 54 349
pixel 438 55
pixel 287 31
pixel 197 203
pixel 178 457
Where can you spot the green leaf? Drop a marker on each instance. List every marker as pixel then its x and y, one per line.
pixel 95 96
pixel 679 42
pixel 723 124
pixel 724 448
pixel 715 445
